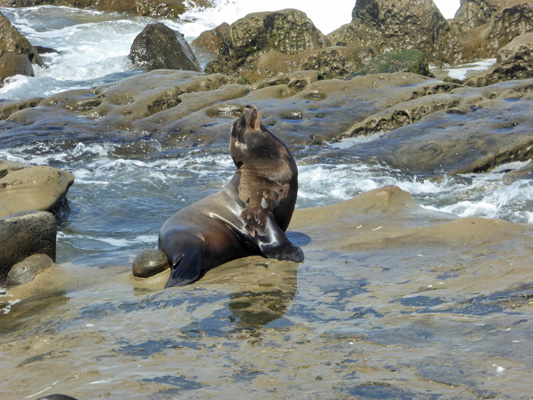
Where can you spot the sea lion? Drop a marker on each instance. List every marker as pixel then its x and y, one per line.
pixel 247 217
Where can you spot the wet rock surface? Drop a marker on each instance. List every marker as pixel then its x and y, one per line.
pixel 12 64
pixel 159 47
pixel 409 113
pixel 385 282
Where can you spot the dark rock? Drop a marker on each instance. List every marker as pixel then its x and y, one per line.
pixel 45 50
pixel 14 42
pixel 56 397
pixel 159 47
pixel 388 25
pixel 25 271
pixel 149 263
pixel 24 234
pixel 12 64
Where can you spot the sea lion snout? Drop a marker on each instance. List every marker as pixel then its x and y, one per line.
pixel 251 115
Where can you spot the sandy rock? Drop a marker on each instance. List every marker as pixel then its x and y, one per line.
pixel 159 47
pixel 14 42
pixel 149 263
pixel 515 61
pixel 24 234
pixel 25 271
pixel 33 188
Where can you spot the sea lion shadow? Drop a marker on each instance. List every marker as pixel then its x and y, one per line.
pixel 298 238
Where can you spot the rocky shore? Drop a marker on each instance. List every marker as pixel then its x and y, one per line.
pixel 393 300
pixel 314 89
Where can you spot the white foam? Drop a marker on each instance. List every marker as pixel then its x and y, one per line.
pixel 463 71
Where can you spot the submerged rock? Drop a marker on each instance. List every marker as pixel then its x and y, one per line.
pixel 25 234
pixel 159 47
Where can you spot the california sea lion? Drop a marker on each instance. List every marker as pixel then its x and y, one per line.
pixel 248 217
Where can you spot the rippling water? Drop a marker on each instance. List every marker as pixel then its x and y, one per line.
pixel 108 206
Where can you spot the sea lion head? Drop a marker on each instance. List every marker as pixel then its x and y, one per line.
pixel 248 124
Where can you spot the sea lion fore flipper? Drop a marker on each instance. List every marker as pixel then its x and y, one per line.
pixel 275 244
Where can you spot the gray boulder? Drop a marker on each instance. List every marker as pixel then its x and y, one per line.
pixel 159 47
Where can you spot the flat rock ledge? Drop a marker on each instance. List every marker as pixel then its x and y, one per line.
pixel 24 187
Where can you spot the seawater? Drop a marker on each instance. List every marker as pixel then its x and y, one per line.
pixel 118 204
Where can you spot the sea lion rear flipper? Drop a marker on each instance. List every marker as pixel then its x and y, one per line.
pixel 186 270
pixel 275 244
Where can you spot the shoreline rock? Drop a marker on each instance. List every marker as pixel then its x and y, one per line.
pixel 25 234
pixel 24 187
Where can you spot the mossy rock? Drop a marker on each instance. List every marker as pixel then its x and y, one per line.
pixel 398 61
